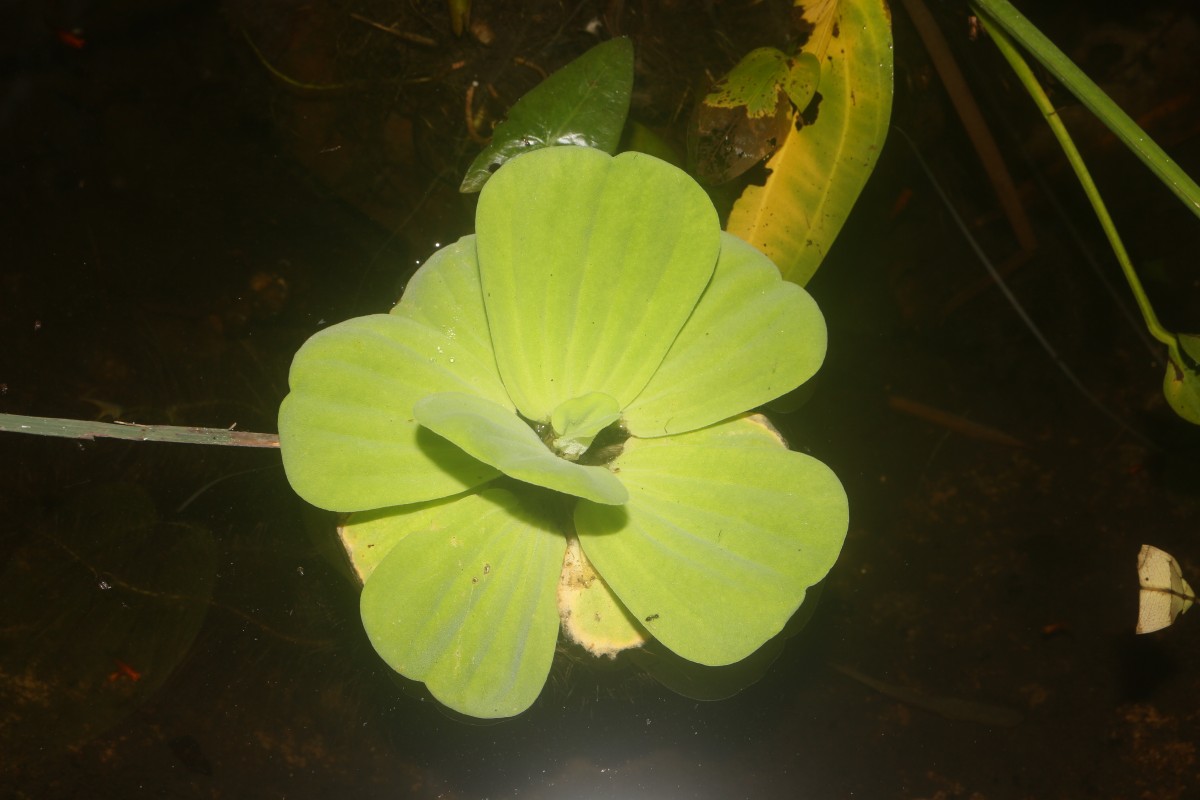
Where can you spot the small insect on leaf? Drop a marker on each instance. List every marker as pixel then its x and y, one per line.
pixel 1164 593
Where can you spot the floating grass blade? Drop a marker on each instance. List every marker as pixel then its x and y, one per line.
pixel 90 429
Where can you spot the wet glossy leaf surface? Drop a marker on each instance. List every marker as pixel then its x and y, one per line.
pixel 584 103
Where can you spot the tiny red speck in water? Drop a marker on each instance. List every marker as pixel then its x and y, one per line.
pixel 123 670
pixel 71 38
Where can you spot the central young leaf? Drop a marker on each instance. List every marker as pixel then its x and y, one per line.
pixel 577 421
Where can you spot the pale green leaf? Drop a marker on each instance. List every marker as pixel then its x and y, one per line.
pixel 577 421
pixel 590 265
pixel 818 172
pixel 444 295
pixel 346 431
pixel 702 682
pixel 497 436
pixel 724 531
pixel 748 114
pixel 465 600
pixel 804 74
pixel 367 537
pixel 754 84
pixel 752 338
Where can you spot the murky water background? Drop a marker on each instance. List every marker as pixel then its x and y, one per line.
pixel 176 623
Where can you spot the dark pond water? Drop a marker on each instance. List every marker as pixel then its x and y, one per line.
pixel 192 191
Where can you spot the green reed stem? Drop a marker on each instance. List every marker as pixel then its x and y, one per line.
pixel 87 429
pixel 1000 14
pixel 1030 82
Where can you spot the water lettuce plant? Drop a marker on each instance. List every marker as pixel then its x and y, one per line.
pixel 550 428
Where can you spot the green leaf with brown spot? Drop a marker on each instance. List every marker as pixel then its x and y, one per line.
pixel 820 168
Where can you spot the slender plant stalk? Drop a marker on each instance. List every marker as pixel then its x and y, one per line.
pixel 295 84
pixel 1001 14
pixel 1030 82
pixel 998 279
pixel 973 122
pixel 86 429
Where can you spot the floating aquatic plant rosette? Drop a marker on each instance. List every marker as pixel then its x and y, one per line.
pixel 550 431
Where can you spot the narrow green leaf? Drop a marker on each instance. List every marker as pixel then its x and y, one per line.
pixel 590 265
pixel 724 531
pixel 465 600
pixel 1008 18
pixel 584 103
pixel 93 429
pixel 460 15
pixel 497 436
pixel 752 338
